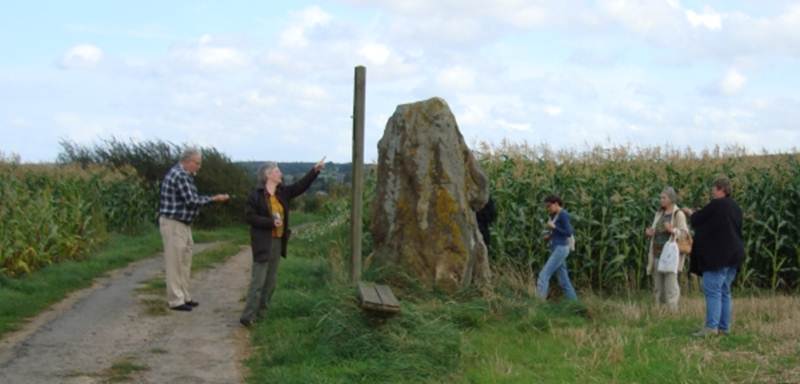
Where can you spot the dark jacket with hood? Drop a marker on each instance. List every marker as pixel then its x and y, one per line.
pixel 258 213
pixel 717 236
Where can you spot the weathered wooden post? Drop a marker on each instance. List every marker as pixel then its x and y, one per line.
pixel 359 96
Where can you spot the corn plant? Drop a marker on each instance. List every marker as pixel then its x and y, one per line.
pixel 50 214
pixel 612 195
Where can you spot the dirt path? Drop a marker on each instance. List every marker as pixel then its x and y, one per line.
pixel 104 333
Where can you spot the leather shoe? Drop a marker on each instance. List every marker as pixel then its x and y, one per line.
pixel 192 303
pixel 182 307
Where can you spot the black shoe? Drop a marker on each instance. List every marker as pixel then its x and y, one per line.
pixel 192 303
pixel 182 307
pixel 246 323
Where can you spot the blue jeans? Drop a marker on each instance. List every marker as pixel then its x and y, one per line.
pixel 717 289
pixel 556 264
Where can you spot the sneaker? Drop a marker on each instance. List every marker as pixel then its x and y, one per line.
pixel 182 307
pixel 246 323
pixel 705 332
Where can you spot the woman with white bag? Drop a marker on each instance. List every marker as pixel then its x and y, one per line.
pixel 664 259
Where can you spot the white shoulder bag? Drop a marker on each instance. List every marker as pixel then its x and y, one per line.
pixel 670 256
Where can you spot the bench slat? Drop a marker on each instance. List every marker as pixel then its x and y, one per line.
pixel 387 297
pixel 377 297
pixel 368 294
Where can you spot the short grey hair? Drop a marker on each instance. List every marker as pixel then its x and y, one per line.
pixel 671 194
pixel 263 170
pixel 190 152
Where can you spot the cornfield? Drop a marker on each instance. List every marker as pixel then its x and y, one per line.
pixel 612 195
pixel 50 214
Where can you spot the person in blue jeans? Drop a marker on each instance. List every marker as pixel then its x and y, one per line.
pixel 560 231
pixel 717 253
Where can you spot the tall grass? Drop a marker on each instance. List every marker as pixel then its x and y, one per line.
pixel 612 195
pixel 51 214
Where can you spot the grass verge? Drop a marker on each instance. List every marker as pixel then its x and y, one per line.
pixel 315 333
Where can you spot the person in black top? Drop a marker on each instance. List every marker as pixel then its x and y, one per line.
pixel 485 217
pixel 717 253
pixel 267 212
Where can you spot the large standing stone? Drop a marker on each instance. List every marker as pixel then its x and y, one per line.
pixel 429 185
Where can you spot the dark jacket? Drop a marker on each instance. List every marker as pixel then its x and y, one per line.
pixel 258 214
pixel 485 216
pixel 717 236
pixel 559 236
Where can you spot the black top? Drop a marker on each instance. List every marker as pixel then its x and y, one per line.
pixel 485 216
pixel 717 236
pixel 258 213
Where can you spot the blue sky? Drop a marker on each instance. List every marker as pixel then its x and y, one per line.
pixel 273 80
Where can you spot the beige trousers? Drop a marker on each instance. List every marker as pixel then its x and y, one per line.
pixel 666 288
pixel 177 238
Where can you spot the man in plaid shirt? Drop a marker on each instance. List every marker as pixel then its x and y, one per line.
pixel 179 205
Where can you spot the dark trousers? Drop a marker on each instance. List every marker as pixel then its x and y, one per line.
pixel 262 284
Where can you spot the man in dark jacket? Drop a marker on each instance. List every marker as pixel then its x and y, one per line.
pixel 267 212
pixel 717 253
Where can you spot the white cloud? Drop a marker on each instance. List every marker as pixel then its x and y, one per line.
pixel 649 18
pixel 472 115
pixel 295 35
pixel 552 110
pixel 19 122
pixel 189 99
pixel 709 19
pixel 255 98
pixel 457 77
pixel 502 123
pixel 209 54
pixel 732 82
pixel 375 53
pixel 313 93
pixel 502 78
pixel 83 56
pixel 219 57
pixel 86 129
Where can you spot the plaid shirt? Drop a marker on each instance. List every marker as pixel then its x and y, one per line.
pixel 179 198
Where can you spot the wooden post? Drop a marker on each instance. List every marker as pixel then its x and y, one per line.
pixel 359 96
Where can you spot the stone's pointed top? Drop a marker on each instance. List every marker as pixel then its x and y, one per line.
pixel 435 101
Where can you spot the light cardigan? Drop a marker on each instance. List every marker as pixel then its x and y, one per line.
pixel 682 230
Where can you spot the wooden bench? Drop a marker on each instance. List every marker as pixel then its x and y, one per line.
pixel 377 298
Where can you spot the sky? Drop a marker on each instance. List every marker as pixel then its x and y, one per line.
pixel 272 80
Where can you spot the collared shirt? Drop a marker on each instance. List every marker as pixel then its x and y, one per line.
pixel 179 198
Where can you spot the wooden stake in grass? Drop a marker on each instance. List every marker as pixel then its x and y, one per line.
pixel 358 171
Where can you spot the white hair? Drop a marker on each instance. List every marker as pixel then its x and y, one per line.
pixel 190 152
pixel 264 169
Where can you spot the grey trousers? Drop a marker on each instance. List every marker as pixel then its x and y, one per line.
pixel 262 284
pixel 666 288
